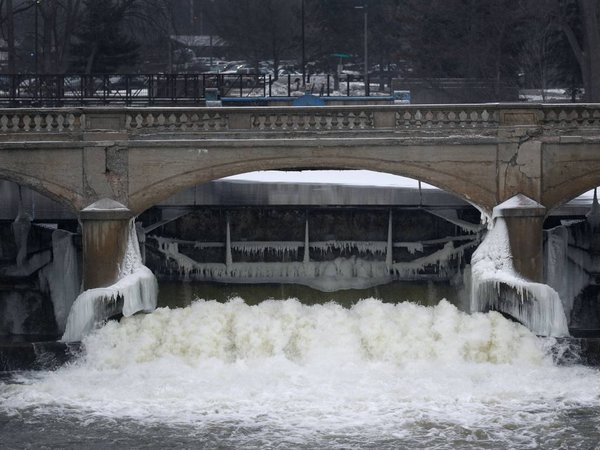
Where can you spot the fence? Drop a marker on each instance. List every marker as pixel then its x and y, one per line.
pixel 20 90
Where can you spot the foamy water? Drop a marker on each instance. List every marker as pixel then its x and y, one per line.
pixel 282 375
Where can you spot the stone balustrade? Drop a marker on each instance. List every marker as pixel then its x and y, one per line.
pixel 29 120
pixel 400 118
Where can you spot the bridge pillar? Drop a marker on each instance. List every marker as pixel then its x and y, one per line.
pixel 105 230
pixel 524 220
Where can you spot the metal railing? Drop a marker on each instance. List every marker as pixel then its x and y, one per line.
pixel 22 90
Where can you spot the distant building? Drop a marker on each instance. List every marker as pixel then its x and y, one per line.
pixel 201 45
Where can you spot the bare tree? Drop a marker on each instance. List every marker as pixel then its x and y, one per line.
pixel 580 21
pixel 258 29
pixel 536 55
pixel 7 26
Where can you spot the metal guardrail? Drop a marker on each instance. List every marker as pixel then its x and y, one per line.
pixel 23 90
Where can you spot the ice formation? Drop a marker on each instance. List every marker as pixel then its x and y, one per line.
pixel 62 276
pixel 441 259
pixel 495 285
pixel 258 248
pixel 135 291
pixel 325 275
pixel 344 272
pixel 373 247
pixel 451 216
pixel 21 227
pixel 566 266
pixel 571 259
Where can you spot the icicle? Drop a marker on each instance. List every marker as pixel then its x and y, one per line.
pixel 306 243
pixel 228 258
pixel 388 255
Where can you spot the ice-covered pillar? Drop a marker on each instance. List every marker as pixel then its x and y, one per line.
pixel 524 220
pixel 105 228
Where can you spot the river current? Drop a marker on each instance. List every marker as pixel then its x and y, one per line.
pixel 283 374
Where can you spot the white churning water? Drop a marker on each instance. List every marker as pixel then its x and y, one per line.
pixel 377 374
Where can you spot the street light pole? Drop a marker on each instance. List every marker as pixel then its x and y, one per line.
pixel 365 9
pixel 303 49
pixel 37 4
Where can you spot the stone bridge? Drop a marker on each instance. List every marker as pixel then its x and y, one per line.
pixel 110 164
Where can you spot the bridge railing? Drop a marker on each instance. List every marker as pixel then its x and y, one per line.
pixel 331 118
pixel 447 119
pixel 478 118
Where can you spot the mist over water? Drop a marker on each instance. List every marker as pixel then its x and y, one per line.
pixel 282 374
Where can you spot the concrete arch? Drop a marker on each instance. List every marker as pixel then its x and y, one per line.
pixel 570 169
pixel 59 193
pixel 165 182
pixel 568 190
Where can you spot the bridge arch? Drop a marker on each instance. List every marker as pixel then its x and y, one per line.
pixel 167 183
pixel 69 198
pixel 567 191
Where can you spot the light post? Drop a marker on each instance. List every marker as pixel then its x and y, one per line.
pixel 366 44
pixel 36 60
pixel 303 48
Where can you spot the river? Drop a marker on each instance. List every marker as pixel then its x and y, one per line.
pixel 285 374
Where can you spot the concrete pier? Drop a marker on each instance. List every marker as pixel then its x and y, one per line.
pixel 524 219
pixel 105 227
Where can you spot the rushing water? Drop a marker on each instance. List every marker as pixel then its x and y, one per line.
pixel 282 374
